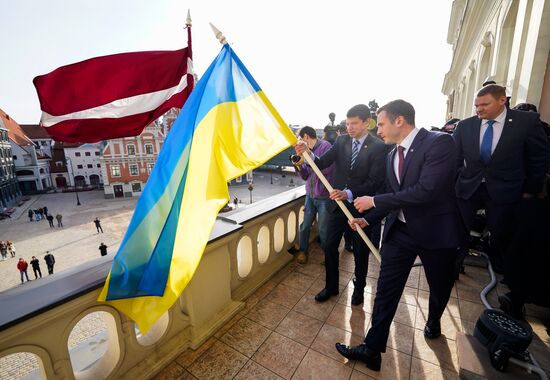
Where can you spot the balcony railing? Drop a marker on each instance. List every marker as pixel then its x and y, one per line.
pixel 245 249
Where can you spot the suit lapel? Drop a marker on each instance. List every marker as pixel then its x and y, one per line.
pixel 412 151
pixel 505 136
pixel 389 170
pixel 346 146
pixel 475 136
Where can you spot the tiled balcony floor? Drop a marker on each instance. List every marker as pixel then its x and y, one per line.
pixel 284 333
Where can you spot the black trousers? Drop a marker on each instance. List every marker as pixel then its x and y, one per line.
pixel 501 219
pixel 398 253
pixel 337 225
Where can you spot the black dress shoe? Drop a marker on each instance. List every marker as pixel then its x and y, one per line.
pixel 324 295
pixel 432 330
pixel 357 297
pixel 371 358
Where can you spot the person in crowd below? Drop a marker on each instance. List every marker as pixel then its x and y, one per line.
pixel 503 157
pixel 50 220
pixel 59 219
pixel 317 200
pixel 11 248
pixel 4 249
pixel 103 249
pixel 50 261
pixel 22 267
pixel 36 267
pixel 30 214
pixel 37 216
pixel 420 174
pixel 45 209
pixel 450 126
pixel 528 107
pixel 359 161
pixel 97 223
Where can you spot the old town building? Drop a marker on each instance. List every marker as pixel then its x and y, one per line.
pixel 128 162
pixel 507 41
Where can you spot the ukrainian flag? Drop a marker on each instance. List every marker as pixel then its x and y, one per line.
pixel 226 128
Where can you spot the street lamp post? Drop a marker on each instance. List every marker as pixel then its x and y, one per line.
pixel 250 188
pixel 74 182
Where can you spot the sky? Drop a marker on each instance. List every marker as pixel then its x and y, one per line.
pixel 309 57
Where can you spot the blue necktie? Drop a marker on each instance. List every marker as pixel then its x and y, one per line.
pixel 354 152
pixel 487 142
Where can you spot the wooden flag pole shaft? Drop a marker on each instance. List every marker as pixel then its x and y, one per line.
pixel 344 209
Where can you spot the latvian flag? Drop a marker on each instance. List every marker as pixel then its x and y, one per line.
pixel 113 96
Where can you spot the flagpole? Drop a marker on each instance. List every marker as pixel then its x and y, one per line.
pixel 219 35
pixel 344 209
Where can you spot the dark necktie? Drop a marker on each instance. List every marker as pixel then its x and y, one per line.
pixel 400 160
pixel 487 142
pixel 354 152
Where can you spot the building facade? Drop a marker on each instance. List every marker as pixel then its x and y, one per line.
pixel 84 164
pixel 9 188
pixel 507 41
pixel 32 165
pixel 128 162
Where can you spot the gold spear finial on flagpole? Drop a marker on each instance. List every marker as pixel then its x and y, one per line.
pixel 218 34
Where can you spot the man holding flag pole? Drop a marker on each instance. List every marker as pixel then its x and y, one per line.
pixel 359 160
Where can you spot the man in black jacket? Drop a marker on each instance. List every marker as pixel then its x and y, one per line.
pixel 503 156
pixel 359 161
pixel 422 220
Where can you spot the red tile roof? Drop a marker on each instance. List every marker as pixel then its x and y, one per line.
pixel 35 131
pixel 15 133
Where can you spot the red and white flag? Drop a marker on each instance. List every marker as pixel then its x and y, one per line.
pixel 113 96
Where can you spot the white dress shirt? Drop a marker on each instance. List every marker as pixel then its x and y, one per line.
pixel 406 143
pixel 498 126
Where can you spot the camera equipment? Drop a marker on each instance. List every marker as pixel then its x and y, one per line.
pixel 294 158
pixel 503 336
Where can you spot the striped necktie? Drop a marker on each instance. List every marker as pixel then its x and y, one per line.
pixel 354 152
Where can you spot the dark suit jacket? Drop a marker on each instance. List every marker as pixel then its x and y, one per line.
pixel 367 175
pixel 518 163
pixel 426 193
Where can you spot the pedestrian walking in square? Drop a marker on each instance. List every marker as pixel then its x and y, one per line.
pixel 97 223
pixel 59 218
pixel 103 249
pixel 50 261
pixel 22 266
pixel 50 220
pixel 36 267
pixel 11 248
pixel 4 249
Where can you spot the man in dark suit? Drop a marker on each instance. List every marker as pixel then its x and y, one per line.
pixel 422 220
pixel 503 156
pixel 359 169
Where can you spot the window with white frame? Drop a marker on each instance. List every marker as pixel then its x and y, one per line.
pixel 134 169
pixel 115 170
pixel 150 167
pixel 149 148
pixel 131 149
pixel 136 187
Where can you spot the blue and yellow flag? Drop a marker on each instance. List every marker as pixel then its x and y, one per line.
pixel 226 128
